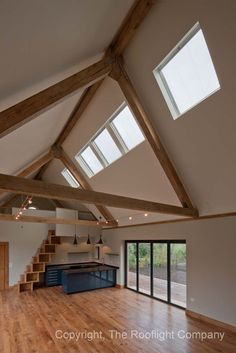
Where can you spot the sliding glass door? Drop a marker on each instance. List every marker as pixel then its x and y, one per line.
pixel 178 274
pixel 157 269
pixel 144 262
pixel 131 271
pixel 160 271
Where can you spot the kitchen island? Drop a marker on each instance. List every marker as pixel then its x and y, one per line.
pixel 81 277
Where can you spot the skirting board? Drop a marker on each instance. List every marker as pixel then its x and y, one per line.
pixel 211 321
pixel 120 286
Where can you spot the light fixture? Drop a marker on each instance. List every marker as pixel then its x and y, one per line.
pixel 75 242
pixel 88 240
pixel 145 214
pixel 100 242
pixel 130 218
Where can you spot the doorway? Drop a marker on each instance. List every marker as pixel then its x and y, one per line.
pixel 4 265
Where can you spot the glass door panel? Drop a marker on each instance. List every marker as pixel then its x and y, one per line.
pixel 132 265
pixel 178 274
pixel 160 282
pixel 144 272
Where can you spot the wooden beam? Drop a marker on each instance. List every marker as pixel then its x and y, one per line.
pixel 60 192
pixel 78 111
pixel 19 114
pixel 9 201
pixel 132 21
pixel 50 220
pixel 33 167
pixel 129 26
pixel 179 220
pixel 37 164
pixel 121 76
pixel 56 203
pixel 42 170
pixel 69 164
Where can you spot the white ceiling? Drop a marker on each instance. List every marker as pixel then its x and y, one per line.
pixel 24 145
pixel 49 41
pixel 39 39
pixel 202 142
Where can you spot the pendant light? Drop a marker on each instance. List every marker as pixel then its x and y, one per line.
pixel 88 240
pixel 100 242
pixel 75 242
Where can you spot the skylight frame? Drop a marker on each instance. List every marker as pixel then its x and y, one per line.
pixel 69 177
pixel 115 136
pixel 117 133
pixel 160 78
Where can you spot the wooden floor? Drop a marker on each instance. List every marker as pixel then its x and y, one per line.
pixel 29 321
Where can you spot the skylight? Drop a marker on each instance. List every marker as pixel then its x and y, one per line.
pixel 70 178
pixel 187 75
pixel 91 160
pixel 117 137
pixel 128 128
pixel 107 146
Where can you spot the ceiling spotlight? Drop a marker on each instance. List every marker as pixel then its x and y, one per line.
pixel 106 222
pixel 20 212
pixel 30 201
pixel 145 214
pixel 130 218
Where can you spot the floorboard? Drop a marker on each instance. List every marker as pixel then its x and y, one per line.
pixel 29 322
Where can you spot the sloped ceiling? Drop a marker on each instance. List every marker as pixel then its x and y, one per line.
pixel 39 39
pixel 202 142
pixel 50 41
pixel 138 174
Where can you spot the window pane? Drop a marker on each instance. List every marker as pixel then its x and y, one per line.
pixel 70 178
pixel 178 274
pixel 107 146
pixel 128 128
pixel 144 268
pixel 91 159
pixel 160 271
pixel 132 265
pixel 189 76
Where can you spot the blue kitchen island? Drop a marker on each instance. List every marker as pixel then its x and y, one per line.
pixel 81 277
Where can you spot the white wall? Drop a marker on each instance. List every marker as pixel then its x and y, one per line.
pixel 211 261
pixel 202 142
pixel 24 240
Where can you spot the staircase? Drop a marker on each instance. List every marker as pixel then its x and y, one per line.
pixel 33 275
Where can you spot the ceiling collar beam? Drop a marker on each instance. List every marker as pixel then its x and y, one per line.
pixel 53 191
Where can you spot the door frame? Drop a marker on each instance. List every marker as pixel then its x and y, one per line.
pixel 6 283
pixel 153 241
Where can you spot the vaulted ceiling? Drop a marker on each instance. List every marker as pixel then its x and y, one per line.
pixel 50 42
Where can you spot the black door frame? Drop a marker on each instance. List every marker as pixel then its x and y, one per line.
pixel 168 242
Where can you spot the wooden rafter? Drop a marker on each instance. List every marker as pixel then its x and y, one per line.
pixel 30 169
pixel 121 76
pixel 50 220
pixel 78 111
pixel 129 26
pixel 53 191
pixel 20 113
pixel 69 164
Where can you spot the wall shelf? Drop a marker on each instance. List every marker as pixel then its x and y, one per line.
pixel 113 254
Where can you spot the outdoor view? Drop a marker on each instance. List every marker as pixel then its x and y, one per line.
pixel 177 286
